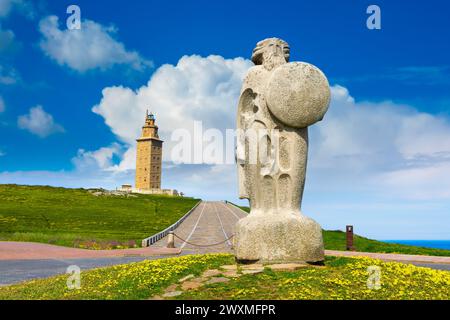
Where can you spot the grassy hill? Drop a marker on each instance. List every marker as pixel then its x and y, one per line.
pixel 78 217
pixel 335 240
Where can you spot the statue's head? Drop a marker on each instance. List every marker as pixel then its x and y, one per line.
pixel 271 52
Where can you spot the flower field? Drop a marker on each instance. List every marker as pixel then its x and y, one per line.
pixel 340 278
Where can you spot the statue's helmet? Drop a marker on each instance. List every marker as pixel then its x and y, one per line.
pixel 272 46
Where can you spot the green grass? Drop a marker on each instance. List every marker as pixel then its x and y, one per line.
pixel 75 217
pixel 340 278
pixel 244 208
pixel 335 240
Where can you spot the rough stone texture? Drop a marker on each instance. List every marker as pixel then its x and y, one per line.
pixel 172 287
pixel 272 166
pixel 287 238
pixel 253 271
pixel 186 278
pixel 229 267
pixel 189 285
pixel 253 266
pixel 217 280
pixel 211 273
pixel 231 274
pixel 286 266
pixel 200 279
pixel 172 294
pixel 298 94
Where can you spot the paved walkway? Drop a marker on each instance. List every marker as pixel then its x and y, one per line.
pixel 211 222
pixel 13 271
pixel 10 250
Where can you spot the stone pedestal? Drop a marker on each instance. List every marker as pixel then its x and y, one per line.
pixel 278 238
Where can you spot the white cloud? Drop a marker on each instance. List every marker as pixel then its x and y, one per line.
pixel 91 47
pixel 197 88
pixel 381 144
pixel 6 39
pixel 101 159
pixel 419 183
pixel 2 104
pixel 39 122
pixel 8 75
pixel 24 7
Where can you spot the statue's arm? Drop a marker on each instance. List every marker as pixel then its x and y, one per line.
pixel 246 101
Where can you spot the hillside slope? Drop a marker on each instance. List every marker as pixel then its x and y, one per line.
pixel 83 218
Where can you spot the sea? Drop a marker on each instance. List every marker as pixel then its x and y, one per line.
pixel 436 244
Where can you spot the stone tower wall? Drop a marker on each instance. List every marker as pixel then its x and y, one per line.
pixel 148 158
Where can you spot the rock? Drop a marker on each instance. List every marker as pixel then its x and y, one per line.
pixel 186 278
pixel 253 271
pixel 172 294
pixel 156 298
pixel 200 279
pixel 217 280
pixel 229 267
pixel 231 274
pixel 211 273
pixel 172 287
pixel 254 266
pixel 286 266
pixel 287 238
pixel 190 285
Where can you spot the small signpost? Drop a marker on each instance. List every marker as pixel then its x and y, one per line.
pixel 349 233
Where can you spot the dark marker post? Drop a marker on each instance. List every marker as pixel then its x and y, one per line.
pixel 349 233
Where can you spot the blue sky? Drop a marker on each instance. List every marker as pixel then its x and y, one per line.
pixel 380 159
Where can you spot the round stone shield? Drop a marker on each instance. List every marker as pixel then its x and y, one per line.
pixel 298 94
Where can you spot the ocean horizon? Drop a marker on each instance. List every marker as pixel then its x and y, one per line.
pixel 436 244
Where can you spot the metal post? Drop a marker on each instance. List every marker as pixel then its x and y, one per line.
pixel 170 240
pixel 349 233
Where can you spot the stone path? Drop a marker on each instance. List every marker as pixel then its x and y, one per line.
pixel 211 222
pixel 223 274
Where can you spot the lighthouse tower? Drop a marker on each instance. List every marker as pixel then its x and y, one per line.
pixel 148 156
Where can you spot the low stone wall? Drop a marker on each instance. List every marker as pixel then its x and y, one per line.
pixel 170 192
pixel 151 240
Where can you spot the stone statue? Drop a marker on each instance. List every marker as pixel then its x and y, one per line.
pixel 278 101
